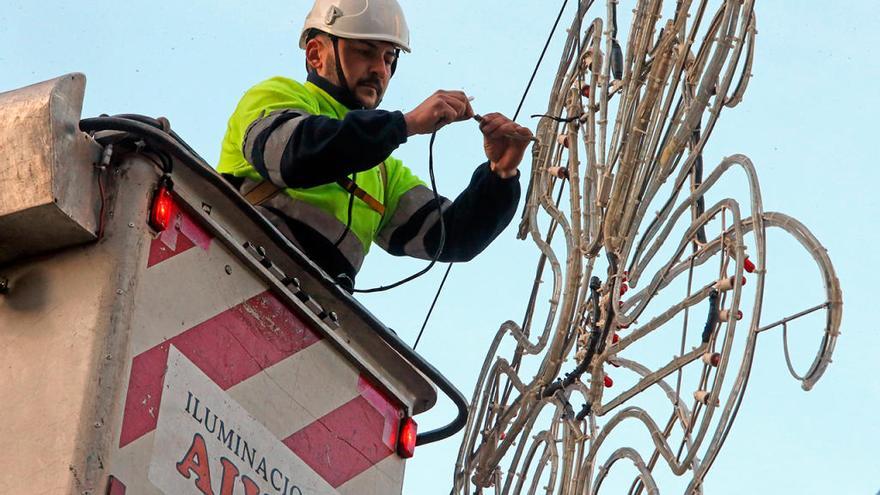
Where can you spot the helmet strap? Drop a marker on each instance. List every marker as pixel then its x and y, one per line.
pixel 394 64
pixel 348 95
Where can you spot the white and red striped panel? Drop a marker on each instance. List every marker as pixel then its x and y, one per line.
pixel 197 298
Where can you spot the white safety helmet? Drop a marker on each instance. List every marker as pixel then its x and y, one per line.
pixel 377 20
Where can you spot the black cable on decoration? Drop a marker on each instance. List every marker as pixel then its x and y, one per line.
pixel 515 115
pixel 442 230
pixel 565 120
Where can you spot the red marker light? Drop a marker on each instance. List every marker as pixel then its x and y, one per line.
pixel 585 90
pixel 608 382
pixel 748 265
pixel 406 443
pixel 623 288
pixel 163 206
pixel 615 339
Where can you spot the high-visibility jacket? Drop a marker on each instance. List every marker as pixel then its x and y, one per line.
pixel 300 137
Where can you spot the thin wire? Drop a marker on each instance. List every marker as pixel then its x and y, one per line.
pixel 431 310
pixel 515 115
pixel 540 59
pixel 350 209
pixel 102 216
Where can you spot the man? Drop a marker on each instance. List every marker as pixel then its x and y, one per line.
pixel 328 148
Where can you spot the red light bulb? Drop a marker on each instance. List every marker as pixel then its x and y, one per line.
pixel 162 207
pixel 406 443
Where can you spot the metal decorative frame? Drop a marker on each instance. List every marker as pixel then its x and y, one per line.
pixel 619 125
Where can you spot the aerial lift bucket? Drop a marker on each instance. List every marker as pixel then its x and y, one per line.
pixel 201 353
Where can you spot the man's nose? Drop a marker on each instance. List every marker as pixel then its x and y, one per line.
pixel 381 69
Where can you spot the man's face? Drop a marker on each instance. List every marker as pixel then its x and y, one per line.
pixel 366 65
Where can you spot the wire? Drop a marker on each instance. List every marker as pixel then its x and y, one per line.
pixel 515 115
pixel 540 59
pixel 556 119
pixel 102 216
pixel 442 243
pixel 433 303
pixel 350 208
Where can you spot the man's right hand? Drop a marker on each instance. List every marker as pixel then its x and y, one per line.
pixel 441 108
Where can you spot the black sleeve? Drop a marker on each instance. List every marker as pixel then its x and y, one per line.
pixel 476 217
pixel 300 150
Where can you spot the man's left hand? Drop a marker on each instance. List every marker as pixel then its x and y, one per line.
pixel 505 143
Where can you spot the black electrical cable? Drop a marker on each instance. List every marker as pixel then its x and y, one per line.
pixel 431 309
pixel 350 211
pixel 540 59
pixel 442 243
pixel 562 120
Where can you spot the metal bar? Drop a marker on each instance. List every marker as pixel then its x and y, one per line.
pixel 794 317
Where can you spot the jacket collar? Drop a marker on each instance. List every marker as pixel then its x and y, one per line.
pixel 341 95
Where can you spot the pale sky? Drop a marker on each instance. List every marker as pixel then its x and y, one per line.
pixel 808 122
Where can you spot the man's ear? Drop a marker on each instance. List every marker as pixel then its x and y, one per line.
pixel 314 54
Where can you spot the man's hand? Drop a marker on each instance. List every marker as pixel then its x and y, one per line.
pixel 441 108
pixel 505 142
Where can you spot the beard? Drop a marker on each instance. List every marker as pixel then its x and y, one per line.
pixel 369 84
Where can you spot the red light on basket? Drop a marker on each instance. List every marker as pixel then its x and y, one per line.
pixel 615 338
pixel 608 382
pixel 623 288
pixel 585 90
pixel 406 443
pixel 162 207
pixel 748 265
